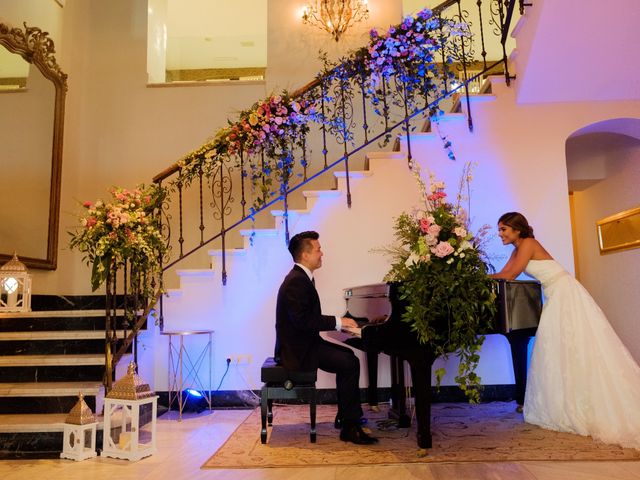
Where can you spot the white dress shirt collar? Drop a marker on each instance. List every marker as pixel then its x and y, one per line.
pixel 306 270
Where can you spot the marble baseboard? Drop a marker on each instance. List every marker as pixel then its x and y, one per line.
pixel 250 399
pixel 71 302
pixel 50 404
pixel 53 347
pixel 62 321
pixel 32 446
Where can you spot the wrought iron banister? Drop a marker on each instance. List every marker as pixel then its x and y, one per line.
pixel 352 111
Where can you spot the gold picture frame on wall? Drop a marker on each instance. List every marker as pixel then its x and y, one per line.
pixel 619 232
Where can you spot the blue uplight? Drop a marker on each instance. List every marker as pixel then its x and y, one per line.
pixel 194 393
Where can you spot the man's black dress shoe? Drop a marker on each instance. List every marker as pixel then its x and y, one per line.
pixel 337 423
pixel 355 434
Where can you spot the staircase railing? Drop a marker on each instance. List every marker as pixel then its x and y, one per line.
pixel 348 109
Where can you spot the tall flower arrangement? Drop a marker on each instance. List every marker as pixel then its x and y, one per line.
pixel 126 228
pixel 443 278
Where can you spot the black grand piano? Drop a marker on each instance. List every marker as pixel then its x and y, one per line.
pixel 378 311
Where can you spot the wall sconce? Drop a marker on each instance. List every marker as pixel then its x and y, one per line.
pixel 15 287
pixel 79 441
pixel 130 411
pixel 335 16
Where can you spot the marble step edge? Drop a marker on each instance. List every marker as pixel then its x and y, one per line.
pixel 321 193
pixel 58 313
pixel 58 335
pixel 51 360
pixel 50 389
pixel 353 174
pixel 386 155
pixel 36 422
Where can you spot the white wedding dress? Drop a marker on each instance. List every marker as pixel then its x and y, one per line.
pixel 582 378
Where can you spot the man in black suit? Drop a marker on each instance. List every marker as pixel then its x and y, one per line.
pixel 299 346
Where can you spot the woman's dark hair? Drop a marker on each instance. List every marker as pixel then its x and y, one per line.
pixel 518 222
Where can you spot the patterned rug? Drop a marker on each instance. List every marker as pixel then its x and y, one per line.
pixel 489 432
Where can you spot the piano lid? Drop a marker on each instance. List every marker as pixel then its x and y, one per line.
pixel 374 290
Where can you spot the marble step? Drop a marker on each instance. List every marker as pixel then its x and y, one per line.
pixel 34 422
pixel 48 397
pixel 51 360
pixel 58 335
pixel 35 436
pixel 45 389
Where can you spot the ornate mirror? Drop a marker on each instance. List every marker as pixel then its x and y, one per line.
pixel 620 231
pixel 32 97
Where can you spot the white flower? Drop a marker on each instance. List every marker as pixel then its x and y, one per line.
pixel 465 245
pixel 413 259
pixel 460 232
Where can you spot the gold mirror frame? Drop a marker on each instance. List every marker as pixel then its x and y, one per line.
pixel 37 48
pixel 619 231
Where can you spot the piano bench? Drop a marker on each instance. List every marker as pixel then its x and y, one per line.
pixel 280 384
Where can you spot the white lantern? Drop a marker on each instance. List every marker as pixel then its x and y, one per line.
pixel 130 411
pixel 79 441
pixel 15 287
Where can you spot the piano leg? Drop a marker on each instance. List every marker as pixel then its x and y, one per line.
pixel 398 408
pixel 519 342
pixel 420 365
pixel 372 371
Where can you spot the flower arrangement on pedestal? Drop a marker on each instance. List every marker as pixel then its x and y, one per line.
pixel 124 229
pixel 443 279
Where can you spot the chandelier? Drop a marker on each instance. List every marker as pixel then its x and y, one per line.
pixel 335 16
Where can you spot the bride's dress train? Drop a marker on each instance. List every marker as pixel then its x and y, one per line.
pixel 582 378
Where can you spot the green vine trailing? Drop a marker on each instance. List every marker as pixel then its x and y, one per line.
pixel 443 278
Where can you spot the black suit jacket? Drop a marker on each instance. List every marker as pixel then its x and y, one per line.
pixel 299 321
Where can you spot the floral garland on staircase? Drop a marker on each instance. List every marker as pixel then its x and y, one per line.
pixel 273 126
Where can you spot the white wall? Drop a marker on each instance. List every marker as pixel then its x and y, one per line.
pixel 577 50
pixel 613 279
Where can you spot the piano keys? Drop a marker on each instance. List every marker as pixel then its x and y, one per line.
pixel 378 311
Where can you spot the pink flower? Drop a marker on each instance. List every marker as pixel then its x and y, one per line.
pixel 434 230
pixel 87 204
pixel 424 225
pixel 442 249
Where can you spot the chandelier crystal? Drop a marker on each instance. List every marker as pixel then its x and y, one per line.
pixel 335 16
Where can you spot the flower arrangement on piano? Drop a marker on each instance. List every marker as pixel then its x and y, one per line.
pixel 443 278
pixel 124 229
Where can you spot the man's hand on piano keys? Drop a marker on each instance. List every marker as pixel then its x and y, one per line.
pixel 348 322
pixel 349 325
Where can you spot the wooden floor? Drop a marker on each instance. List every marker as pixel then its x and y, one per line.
pixel 184 446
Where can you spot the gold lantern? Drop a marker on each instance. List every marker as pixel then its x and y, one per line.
pixel 15 287
pixel 130 411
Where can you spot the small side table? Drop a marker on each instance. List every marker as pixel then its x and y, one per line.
pixel 185 372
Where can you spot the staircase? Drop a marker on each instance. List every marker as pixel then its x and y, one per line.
pixel 47 357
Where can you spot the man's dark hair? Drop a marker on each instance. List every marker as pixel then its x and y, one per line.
pixel 301 242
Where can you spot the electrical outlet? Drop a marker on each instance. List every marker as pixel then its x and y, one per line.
pixel 244 359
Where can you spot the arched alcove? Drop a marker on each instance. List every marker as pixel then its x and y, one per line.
pixel 603 170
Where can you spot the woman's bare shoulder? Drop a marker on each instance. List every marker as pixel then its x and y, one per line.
pixel 538 252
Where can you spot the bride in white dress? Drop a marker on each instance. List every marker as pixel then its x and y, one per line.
pixel 582 378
